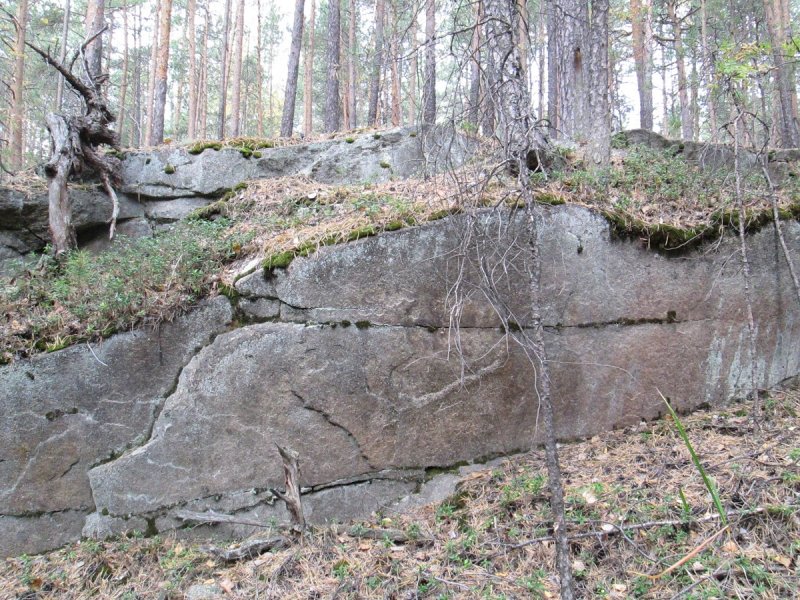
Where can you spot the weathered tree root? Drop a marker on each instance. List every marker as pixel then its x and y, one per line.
pixel 74 142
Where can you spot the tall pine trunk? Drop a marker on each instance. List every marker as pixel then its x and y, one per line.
pixel 63 53
pixel 236 71
pixel 18 102
pixel 642 34
pixel 93 23
pixel 414 72
pixel 151 77
pixel 779 25
pixel 223 91
pixel 287 122
pixel 123 92
pixel 394 67
pixel 162 67
pixel 352 122
pixel 429 84
pixel 473 108
pixel 377 64
pixel 332 113
pixel 191 10
pixel 308 87
pixel 680 64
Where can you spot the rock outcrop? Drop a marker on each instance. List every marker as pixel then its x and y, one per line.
pixel 351 357
pixel 159 187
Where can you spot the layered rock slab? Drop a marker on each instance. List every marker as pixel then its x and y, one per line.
pixel 360 372
pixel 63 413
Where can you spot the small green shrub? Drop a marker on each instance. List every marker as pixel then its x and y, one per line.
pixel 169 169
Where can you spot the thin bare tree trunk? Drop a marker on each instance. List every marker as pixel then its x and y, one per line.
pixel 151 78
pixel 223 93
pixel 377 64
pixel 521 140
pixel 259 75
pixel 332 112
pixel 429 85
pixel 308 89
pixel 203 85
pixel 191 10
pixel 414 75
pixel 642 35
pixel 123 92
pixel 680 64
pixel 236 71
pixel 747 280
pixel 135 138
pixel 63 53
pixel 708 70
pixel 475 66
pixel 18 102
pixel 352 122
pixel 160 94
pixel 287 122
pixel 177 107
pixel 394 58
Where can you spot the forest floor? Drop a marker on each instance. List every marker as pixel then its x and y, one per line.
pixel 642 523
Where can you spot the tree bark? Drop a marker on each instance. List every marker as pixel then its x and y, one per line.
pixel 642 34
pixel 414 75
pixel 377 64
pixel 223 93
pixel 151 78
pixel 680 64
pixel 259 75
pixel 394 66
pixel 473 110
pixel 598 133
pixel 429 85
pixel 351 67
pixel 63 53
pixel 135 137
pixel 93 23
pixel 202 118
pixel 162 66
pixel 123 92
pixel 332 112
pixel 287 122
pixel 18 102
pixel 779 25
pixel 191 13
pixel 236 71
pixel 308 88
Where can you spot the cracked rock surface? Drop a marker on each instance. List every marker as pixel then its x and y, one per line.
pixel 65 412
pixel 347 357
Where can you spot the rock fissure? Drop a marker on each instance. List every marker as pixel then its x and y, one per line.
pixel 329 419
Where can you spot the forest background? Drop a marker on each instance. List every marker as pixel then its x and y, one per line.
pixel 681 67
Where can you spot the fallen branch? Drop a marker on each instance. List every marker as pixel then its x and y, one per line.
pixel 212 517
pixel 608 529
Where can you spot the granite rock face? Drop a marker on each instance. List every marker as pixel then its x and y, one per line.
pixel 400 153
pixel 350 356
pixel 63 413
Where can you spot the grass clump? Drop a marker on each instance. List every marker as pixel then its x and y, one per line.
pixel 86 295
pixel 169 169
